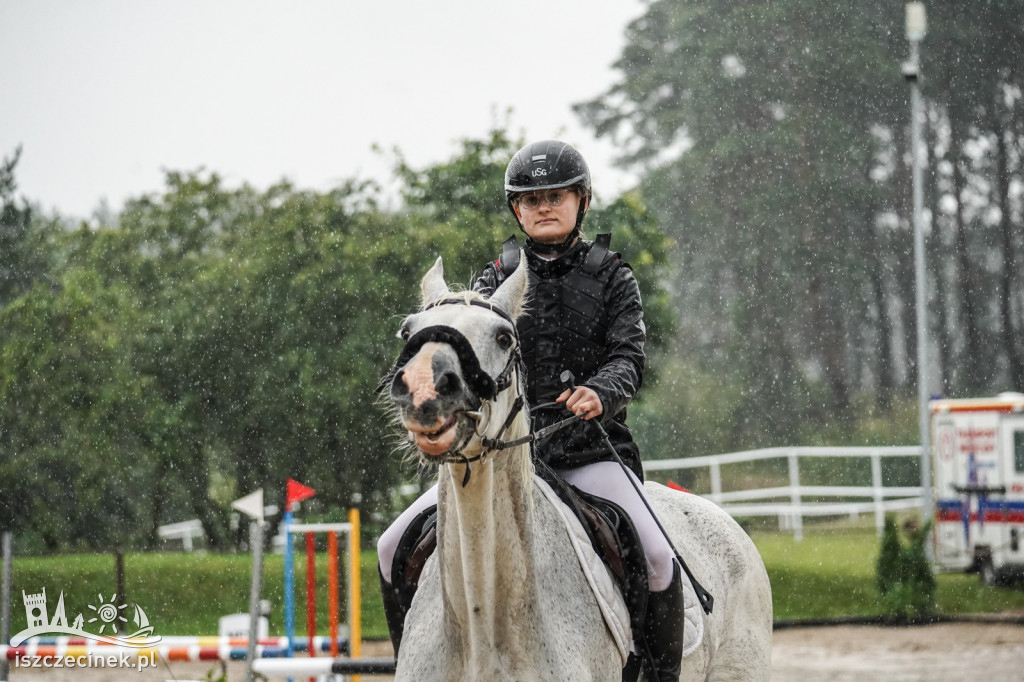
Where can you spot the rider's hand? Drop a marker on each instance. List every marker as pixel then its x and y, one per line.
pixel 582 401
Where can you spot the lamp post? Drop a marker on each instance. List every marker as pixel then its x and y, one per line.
pixel 916 26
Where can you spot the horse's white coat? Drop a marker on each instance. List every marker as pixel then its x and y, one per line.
pixel 504 598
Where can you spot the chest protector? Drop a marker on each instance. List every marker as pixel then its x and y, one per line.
pixel 566 322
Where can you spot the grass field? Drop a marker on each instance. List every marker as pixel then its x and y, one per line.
pixel 832 574
pixel 827 575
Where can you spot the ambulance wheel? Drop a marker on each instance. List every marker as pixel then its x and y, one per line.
pixel 987 573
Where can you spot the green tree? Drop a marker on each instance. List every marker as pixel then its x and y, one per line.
pixel 74 471
pixel 217 340
pixel 773 140
pixel 769 108
pixel 25 240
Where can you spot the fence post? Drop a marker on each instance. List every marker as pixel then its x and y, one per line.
pixel 794 496
pixel 119 582
pixel 878 493
pixel 715 469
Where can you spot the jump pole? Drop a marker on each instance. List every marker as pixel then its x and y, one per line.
pixel 311 589
pixel 355 612
pixel 332 590
pixel 294 492
pixel 355 603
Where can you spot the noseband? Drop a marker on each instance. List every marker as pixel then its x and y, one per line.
pixel 484 386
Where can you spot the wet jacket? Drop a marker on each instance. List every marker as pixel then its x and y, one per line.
pixel 583 314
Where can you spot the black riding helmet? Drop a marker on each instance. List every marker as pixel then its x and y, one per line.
pixel 548 164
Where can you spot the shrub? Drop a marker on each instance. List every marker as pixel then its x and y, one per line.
pixel 903 574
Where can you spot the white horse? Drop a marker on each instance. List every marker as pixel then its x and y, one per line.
pixel 504 596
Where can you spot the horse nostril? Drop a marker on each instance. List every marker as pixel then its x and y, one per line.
pixel 448 384
pixel 398 386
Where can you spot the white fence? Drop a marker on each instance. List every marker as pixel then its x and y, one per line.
pixel 787 501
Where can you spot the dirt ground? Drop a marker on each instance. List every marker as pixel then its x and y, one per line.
pixel 949 652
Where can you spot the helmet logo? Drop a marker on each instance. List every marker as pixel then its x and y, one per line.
pixel 539 171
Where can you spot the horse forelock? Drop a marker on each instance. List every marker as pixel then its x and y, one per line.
pixel 469 296
pixel 465 296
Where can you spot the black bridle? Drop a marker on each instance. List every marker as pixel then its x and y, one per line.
pixel 488 388
pixel 485 387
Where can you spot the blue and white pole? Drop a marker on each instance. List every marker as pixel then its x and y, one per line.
pixel 289 586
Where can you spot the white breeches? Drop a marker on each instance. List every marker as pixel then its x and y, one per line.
pixel 604 479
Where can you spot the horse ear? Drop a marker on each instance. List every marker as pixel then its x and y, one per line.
pixel 432 286
pixel 511 295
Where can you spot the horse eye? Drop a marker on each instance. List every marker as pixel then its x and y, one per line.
pixel 403 333
pixel 504 340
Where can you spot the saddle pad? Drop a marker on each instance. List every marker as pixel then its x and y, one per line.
pixel 609 597
pixel 607 592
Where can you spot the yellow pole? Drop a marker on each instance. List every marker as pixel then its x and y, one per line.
pixel 355 616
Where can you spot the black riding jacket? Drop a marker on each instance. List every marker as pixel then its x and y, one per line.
pixel 583 314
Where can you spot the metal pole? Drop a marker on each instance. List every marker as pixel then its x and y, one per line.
pixel 5 600
pixel 289 586
pixel 119 582
pixel 920 281
pixel 256 542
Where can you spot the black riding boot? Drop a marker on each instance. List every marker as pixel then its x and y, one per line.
pixel 663 629
pixel 394 613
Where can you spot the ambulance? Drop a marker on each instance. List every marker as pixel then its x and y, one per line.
pixel 978 470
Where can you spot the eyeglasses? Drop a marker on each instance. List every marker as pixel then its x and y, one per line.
pixel 553 197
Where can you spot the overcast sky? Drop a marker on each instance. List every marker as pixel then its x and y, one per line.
pixel 104 95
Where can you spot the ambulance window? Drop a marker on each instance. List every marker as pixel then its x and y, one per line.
pixel 1018 450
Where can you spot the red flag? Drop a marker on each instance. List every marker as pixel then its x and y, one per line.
pixel 296 492
pixel 675 486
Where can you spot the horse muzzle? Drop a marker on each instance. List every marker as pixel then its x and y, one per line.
pixel 434 403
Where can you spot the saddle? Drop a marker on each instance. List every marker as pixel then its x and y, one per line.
pixel 611 533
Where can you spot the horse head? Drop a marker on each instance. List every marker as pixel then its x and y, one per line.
pixel 451 383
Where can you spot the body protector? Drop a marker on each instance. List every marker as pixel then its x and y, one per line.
pixel 584 315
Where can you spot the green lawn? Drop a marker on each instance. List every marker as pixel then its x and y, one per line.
pixel 832 574
pixel 828 574
pixel 186 593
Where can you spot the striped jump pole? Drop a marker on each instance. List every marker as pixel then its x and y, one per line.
pixel 325 666
pixel 170 649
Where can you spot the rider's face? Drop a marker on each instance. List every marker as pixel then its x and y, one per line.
pixel 546 223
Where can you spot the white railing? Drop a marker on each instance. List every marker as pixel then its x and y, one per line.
pixel 184 531
pixel 878 498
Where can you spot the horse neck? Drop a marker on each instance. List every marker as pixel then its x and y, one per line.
pixel 485 542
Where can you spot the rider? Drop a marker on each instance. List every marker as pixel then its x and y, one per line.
pixel 584 315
